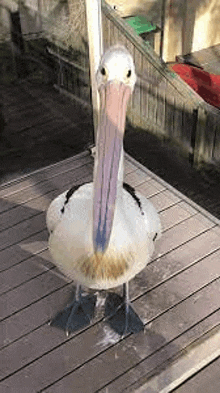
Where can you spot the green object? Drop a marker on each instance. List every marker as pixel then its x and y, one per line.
pixel 140 24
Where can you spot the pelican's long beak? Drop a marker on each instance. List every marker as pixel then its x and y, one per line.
pixel 114 98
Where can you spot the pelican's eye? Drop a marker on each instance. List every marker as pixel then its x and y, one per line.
pixel 103 71
pixel 128 73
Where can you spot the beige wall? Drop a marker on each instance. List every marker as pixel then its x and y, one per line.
pixel 207 25
pixel 6 6
pixel 190 25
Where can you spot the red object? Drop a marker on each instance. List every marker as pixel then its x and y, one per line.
pixel 205 84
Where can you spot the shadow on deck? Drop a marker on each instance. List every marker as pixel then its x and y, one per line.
pixel 43 127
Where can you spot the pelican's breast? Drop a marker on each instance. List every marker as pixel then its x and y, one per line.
pixel 130 245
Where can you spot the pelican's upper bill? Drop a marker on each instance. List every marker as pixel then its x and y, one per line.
pixel 116 78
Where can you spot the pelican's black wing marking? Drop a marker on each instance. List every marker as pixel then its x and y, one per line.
pixel 69 194
pixel 131 191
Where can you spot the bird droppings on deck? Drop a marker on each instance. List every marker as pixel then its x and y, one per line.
pixel 110 337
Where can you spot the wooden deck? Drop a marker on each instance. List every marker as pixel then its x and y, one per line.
pixel 177 295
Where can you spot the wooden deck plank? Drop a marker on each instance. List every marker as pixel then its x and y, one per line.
pixel 207 381
pixel 186 206
pixel 180 259
pixel 177 288
pixel 164 200
pixel 49 172
pixel 15 213
pixel 129 167
pixel 120 357
pixel 173 294
pixel 63 167
pixel 22 272
pixel 167 296
pixel 34 316
pixel 70 164
pixel 57 183
pixel 26 210
pixel 185 230
pixel 154 274
pixel 18 214
pixel 174 215
pixel 34 198
pixel 70 349
pixel 200 354
pixel 150 188
pixel 17 253
pixel 138 375
pixel 174 191
pixel 135 178
pixel 29 292
pixel 22 230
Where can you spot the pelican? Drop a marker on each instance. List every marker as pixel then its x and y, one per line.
pixel 102 233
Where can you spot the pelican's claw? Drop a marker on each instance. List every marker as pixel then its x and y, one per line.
pixel 76 315
pixel 120 316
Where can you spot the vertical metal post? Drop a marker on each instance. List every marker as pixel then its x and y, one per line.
pixel 39 16
pixel 201 146
pixel 94 27
pixel 193 135
pixel 163 14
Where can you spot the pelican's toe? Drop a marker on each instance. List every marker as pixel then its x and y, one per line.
pixel 76 315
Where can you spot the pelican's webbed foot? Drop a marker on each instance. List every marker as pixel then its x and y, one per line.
pixel 120 315
pixel 77 314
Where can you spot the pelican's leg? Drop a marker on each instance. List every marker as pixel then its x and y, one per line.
pixel 120 315
pixel 77 314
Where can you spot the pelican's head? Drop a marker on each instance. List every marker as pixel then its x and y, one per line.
pixel 115 66
pixel 115 79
